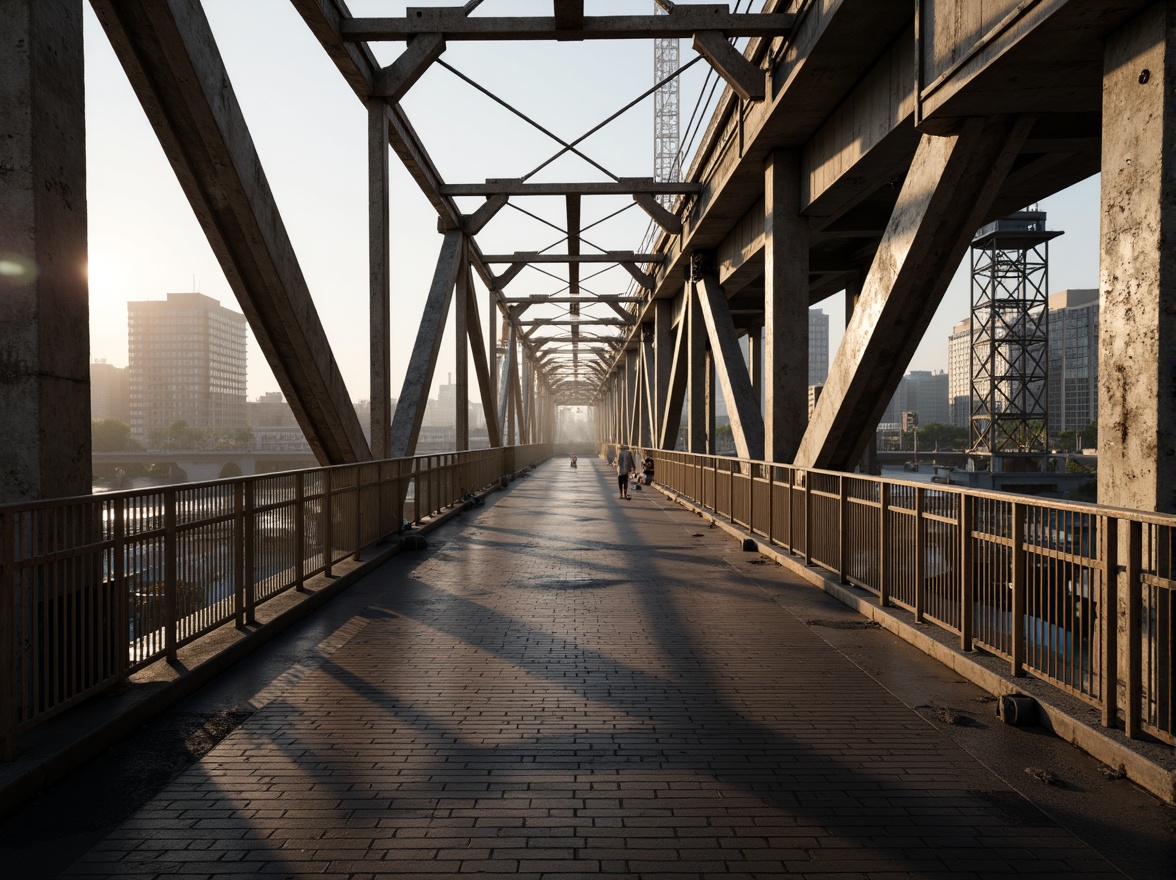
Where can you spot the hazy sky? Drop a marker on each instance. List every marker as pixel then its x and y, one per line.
pixel 310 131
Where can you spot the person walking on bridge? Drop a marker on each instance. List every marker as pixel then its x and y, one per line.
pixel 625 466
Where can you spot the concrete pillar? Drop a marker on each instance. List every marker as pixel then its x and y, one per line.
pixel 1137 320
pixel 461 322
pixel 44 302
pixel 786 288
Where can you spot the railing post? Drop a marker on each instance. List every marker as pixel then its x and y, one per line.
pixel 788 511
pixel 328 525
pixel 170 599
pixel 967 577
pixel 808 518
pixel 8 684
pixel 731 465
pixel 118 573
pixel 239 522
pixel 249 545
pixel 920 557
pixel 1017 621
pixel 883 543
pixel 842 506
pixel 1134 646
pixel 299 532
pixel 771 475
pixel 1109 623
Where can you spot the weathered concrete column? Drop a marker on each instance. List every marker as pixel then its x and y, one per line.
pixel 1137 307
pixel 786 283
pixel 631 414
pixel 44 308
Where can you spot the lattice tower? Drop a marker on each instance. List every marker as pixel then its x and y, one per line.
pixel 667 165
pixel 1010 345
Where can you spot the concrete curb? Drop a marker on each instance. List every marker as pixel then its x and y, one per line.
pixel 1151 766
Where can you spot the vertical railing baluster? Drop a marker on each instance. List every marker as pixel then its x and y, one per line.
pixel 328 525
pixel 808 518
pixel 300 531
pixel 1134 623
pixel 118 572
pixel 884 524
pixel 843 532
pixel 1108 605
pixel 920 557
pixel 170 599
pixel 967 578
pixel 239 528
pixel 250 549
pixel 1020 560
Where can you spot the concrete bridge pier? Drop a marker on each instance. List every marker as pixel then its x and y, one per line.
pixel 1137 321
pixel 44 300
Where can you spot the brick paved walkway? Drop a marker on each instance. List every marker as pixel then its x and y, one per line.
pixel 574 685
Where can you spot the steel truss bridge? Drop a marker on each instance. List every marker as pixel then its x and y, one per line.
pixel 856 149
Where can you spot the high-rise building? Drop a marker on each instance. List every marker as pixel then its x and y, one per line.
pixel 923 392
pixel 959 373
pixel 110 396
pixel 1073 359
pixel 818 347
pixel 187 363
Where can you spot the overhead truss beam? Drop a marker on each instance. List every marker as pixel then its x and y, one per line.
pixel 684 21
pixel 626 186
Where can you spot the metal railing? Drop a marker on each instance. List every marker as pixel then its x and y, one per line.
pixel 97 587
pixel 1043 584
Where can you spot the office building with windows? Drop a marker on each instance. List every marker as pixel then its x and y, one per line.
pixel 186 363
pixel 1073 359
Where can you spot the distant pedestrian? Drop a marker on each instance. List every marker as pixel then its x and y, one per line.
pixel 625 466
pixel 647 469
pixel 610 454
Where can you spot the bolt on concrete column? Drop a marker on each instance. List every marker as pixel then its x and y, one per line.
pixel 44 300
pixel 1137 309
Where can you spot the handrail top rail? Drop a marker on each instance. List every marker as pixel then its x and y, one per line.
pixel 1084 507
pixel 76 500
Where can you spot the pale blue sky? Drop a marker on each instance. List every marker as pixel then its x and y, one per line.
pixel 310 131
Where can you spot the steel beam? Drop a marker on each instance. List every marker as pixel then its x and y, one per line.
pixel 747 426
pixel 379 279
pixel 950 187
pixel 528 257
pixel 172 61
pixel 454 24
pixel 418 378
pixel 626 186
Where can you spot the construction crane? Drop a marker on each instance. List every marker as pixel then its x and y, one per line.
pixel 667 165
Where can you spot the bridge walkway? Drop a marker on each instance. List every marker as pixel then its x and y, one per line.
pixel 568 684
